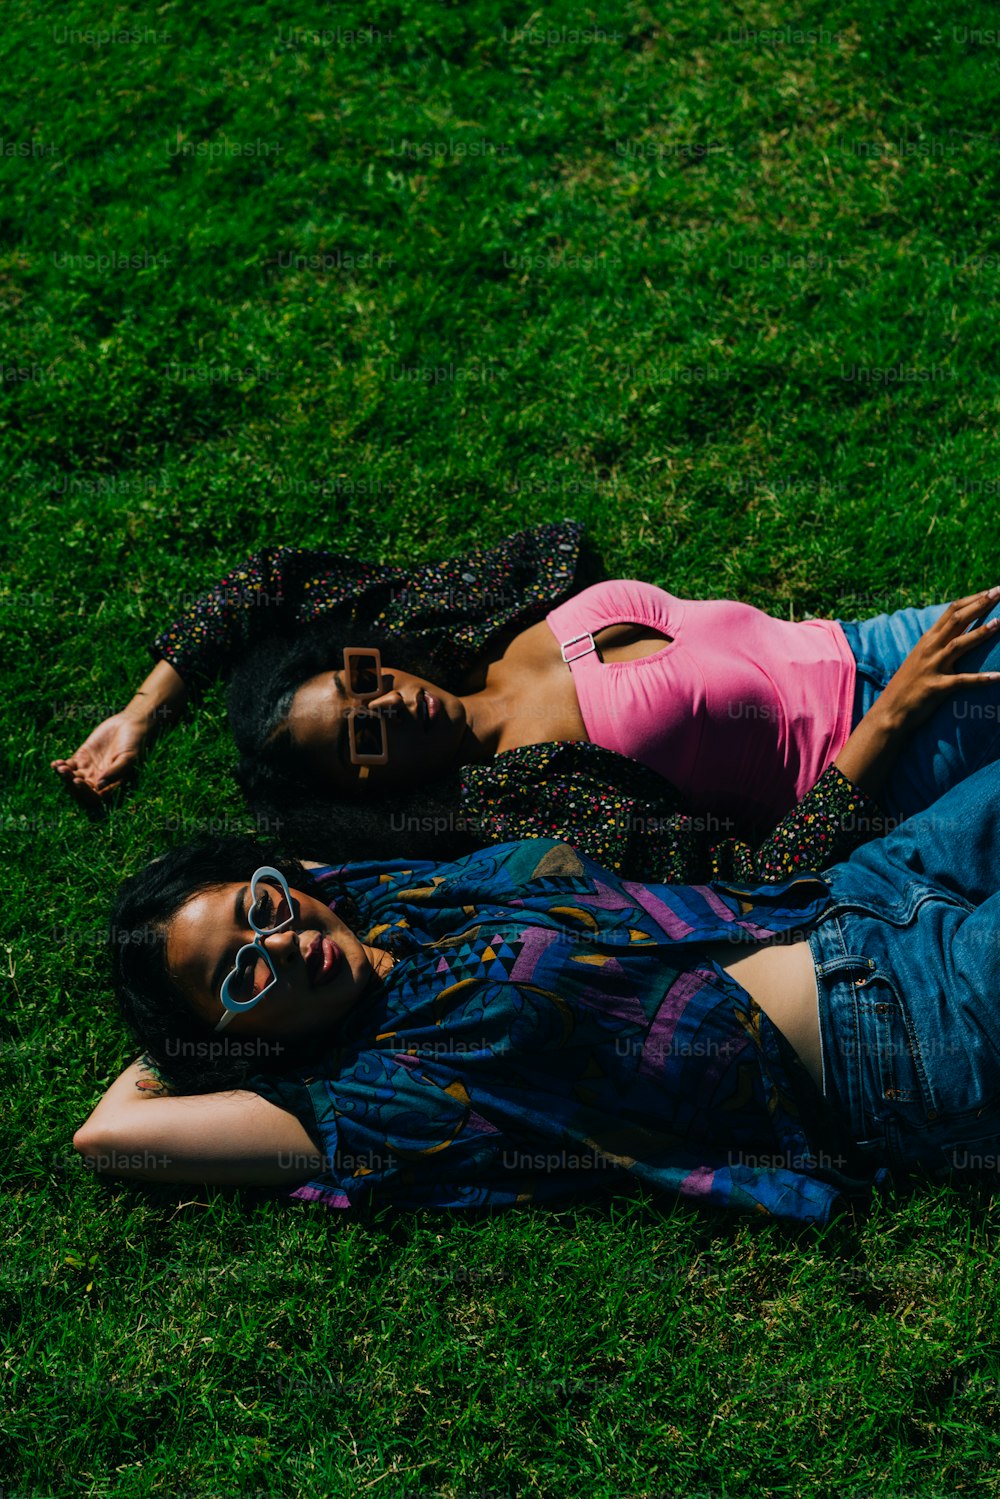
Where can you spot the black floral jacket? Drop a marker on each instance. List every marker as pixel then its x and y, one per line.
pixel 616 810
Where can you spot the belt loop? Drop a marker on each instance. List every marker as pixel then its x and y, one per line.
pixel 586 650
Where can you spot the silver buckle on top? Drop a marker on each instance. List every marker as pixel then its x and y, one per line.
pixel 586 650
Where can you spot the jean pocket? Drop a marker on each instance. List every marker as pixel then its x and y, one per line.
pixel 896 1085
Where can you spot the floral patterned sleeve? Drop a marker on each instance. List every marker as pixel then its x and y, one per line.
pixel 833 818
pixel 633 822
pixel 450 607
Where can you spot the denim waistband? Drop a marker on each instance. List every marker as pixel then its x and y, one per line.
pixel 884 1083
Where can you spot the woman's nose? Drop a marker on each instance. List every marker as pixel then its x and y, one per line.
pixel 390 699
pixel 281 945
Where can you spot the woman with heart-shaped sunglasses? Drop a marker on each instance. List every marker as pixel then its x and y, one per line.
pixel 521 1023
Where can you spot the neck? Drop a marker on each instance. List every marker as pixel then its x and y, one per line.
pixel 381 961
pixel 486 715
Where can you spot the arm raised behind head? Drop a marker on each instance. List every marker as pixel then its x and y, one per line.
pixel 140 1131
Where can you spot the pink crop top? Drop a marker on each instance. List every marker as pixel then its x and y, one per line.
pixel 740 711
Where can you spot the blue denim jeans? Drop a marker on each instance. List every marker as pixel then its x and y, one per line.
pixel 907 960
pixel 962 734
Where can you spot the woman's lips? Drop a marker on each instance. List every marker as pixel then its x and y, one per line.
pixel 323 961
pixel 433 706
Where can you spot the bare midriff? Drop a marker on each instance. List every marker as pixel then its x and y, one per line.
pixel 781 977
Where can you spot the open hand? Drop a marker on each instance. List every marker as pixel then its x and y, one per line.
pixel 104 760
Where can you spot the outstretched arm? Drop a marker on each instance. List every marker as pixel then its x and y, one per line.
pixel 140 1131
pixel 455 605
pixel 262 593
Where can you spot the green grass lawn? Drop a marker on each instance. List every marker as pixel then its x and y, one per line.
pixel 723 286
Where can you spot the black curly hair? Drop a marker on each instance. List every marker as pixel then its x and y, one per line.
pixel 283 786
pixel 182 1047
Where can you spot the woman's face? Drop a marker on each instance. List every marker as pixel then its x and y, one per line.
pixel 322 968
pixel 425 728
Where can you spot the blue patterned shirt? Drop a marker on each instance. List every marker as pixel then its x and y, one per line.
pixel 550 1028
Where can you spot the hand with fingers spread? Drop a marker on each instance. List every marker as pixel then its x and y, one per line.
pixel 926 677
pixel 932 669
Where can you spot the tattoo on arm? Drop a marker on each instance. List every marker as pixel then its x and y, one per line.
pixel 149 1084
